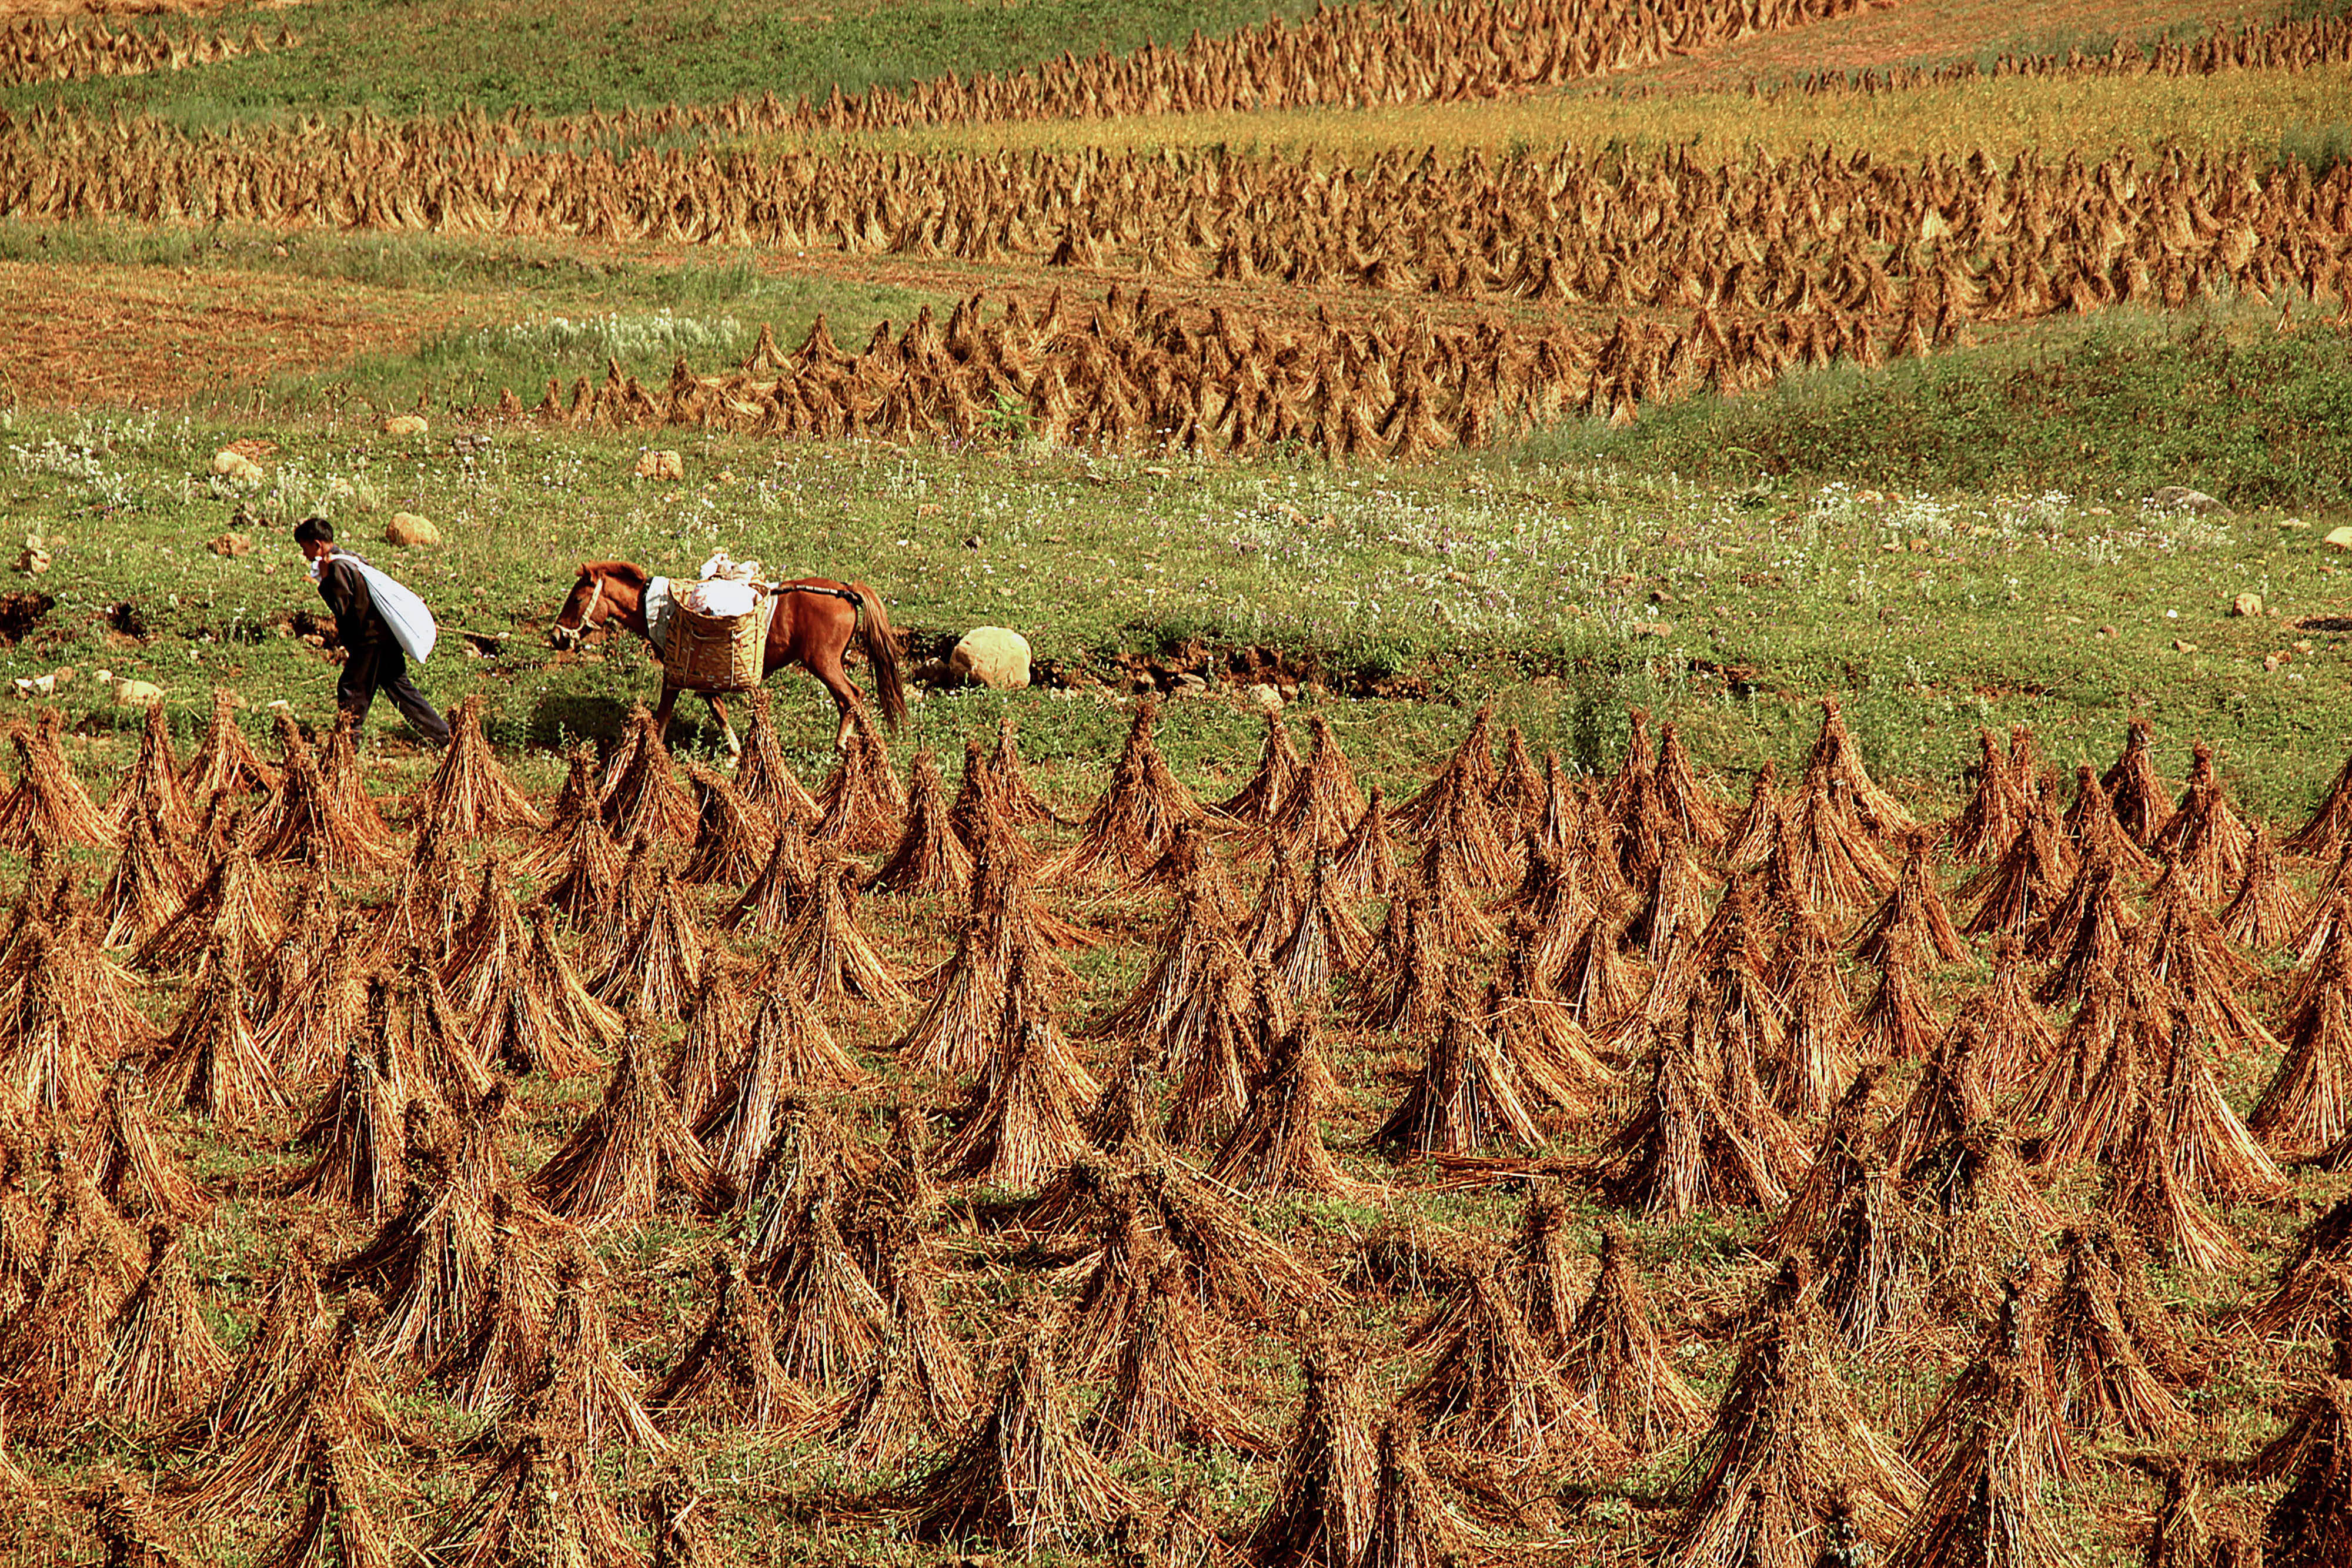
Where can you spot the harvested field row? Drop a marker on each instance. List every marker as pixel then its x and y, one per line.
pixel 33 51
pixel 1132 374
pixel 1362 55
pixel 1568 228
pixel 1514 981
pixel 1881 51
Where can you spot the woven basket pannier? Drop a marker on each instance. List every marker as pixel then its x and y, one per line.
pixel 717 653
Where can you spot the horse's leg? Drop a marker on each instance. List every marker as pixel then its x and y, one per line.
pixel 662 712
pixel 845 695
pixel 823 660
pixel 718 712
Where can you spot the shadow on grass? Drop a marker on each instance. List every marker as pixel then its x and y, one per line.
pixel 560 718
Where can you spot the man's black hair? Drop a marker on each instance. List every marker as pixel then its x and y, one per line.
pixel 314 531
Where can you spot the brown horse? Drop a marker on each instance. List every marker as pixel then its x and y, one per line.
pixel 816 619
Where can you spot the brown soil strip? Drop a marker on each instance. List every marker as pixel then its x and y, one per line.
pixel 84 335
pixel 1914 33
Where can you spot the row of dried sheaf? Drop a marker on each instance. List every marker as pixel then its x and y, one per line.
pixel 1130 373
pixel 1569 228
pixel 2285 44
pixel 1360 56
pixel 35 50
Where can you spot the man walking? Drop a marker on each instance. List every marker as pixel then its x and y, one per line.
pixel 373 656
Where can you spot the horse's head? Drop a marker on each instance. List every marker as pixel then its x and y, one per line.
pixel 582 613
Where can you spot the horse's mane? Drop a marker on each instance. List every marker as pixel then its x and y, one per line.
pixel 628 571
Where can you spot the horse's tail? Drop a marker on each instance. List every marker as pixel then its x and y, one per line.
pixel 881 646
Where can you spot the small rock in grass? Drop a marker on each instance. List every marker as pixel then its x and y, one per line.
pixel 2180 645
pixel 2338 538
pixel 2246 604
pixel 1263 698
pixel 659 466
pixel 992 656
pixel 2180 498
pixel 235 467
pixel 32 561
pixel 137 694
pixel 230 545
pixel 2274 663
pixel 407 528
pixel 403 425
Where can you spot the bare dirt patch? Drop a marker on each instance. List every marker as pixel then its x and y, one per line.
pixel 85 335
pixel 1914 34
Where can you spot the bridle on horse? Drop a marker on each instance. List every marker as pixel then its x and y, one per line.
pixel 572 636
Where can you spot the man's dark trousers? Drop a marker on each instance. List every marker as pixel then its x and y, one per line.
pixel 373 667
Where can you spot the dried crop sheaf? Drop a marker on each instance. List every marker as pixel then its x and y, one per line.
pixel 469 793
pixel 1325 1492
pixel 2116 1357
pixel 127 1163
pixel 763 779
pixel 161 1357
pixel 358 1130
pixel 1169 1387
pixel 1277 1145
pixel 1613 1357
pixel 210 1063
pixel 301 822
pixel 1489 1389
pixel 630 1154
pixel 641 793
pixel 47 806
pixel 1470 1092
pixel 1136 820
pixel 828 1323
pixel 537 1502
pixel 732 843
pixel 151 788
pixel 930 858
pixel 861 806
pixel 330 1384
pixel 1021 1122
pixel 786 1048
pixel 581 1385
pixel 1023 1479
pixel 225 759
pixel 1790 1451
pixel 146 887
pixel 729 1374
pixel 658 967
pixel 1684 1150
pixel 837 964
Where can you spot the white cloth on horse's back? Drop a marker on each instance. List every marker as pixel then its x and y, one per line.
pixel 726 566
pixel 721 597
pixel 658 604
pixel 406 616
